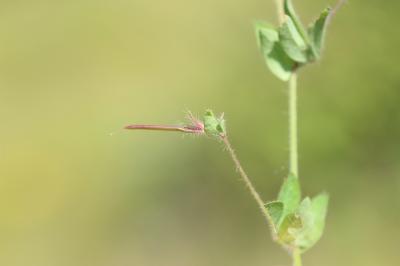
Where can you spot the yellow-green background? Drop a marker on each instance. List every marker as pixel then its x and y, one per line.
pixel 77 190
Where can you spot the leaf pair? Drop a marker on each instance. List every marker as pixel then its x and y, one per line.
pixel 291 46
pixel 297 224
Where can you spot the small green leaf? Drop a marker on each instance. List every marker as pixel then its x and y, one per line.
pixel 266 36
pixel 212 125
pixel 290 194
pixel 280 64
pixel 275 210
pixel 292 41
pixel 312 213
pixel 290 224
pixel 317 32
pixel 289 11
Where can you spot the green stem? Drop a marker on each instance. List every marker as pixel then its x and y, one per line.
pixel 296 257
pixel 281 14
pixel 293 154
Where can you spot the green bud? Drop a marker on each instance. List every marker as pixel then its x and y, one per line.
pixel 214 126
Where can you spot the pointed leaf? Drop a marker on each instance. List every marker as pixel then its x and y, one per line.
pixel 275 57
pixel 266 36
pixel 280 64
pixel 289 11
pixel 317 32
pixel 312 213
pixel 290 194
pixel 275 210
pixel 292 41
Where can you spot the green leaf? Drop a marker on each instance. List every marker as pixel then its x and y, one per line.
pixel 275 210
pixel 266 36
pixel 317 32
pixel 292 41
pixel 312 213
pixel 212 125
pixel 290 194
pixel 290 224
pixel 289 11
pixel 280 64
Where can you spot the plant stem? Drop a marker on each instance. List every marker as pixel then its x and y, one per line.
pixel 296 257
pixel 248 183
pixel 279 8
pixel 293 144
pixel 293 154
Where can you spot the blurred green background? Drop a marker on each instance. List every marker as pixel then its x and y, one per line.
pixel 77 190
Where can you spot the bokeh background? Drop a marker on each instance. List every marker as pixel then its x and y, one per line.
pixel 76 189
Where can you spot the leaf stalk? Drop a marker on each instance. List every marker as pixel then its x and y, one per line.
pixel 248 183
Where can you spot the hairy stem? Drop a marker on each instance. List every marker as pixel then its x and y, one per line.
pixel 293 154
pixel 296 258
pixel 248 183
